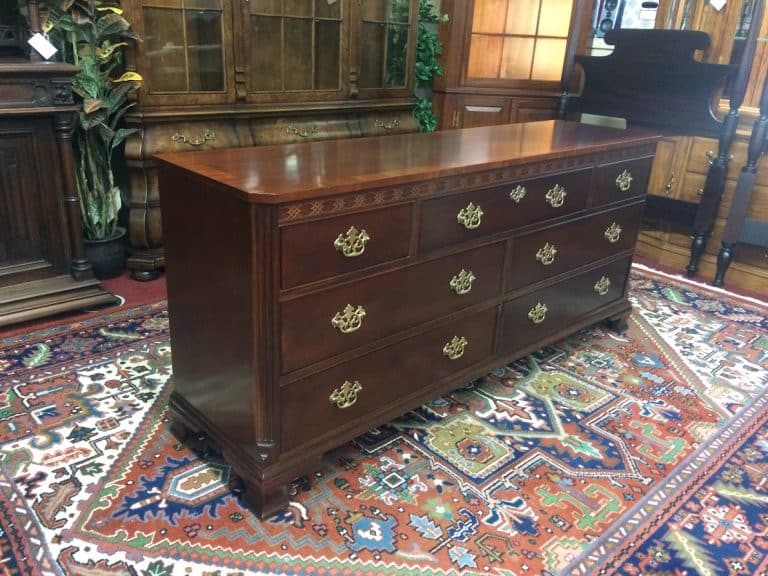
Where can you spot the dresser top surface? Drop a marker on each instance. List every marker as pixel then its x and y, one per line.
pixel 290 172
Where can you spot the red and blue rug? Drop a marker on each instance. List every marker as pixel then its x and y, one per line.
pixel 642 453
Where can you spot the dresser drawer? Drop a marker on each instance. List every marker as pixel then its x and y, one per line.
pixel 535 316
pixel 324 248
pixel 621 180
pixel 461 217
pixel 552 251
pixel 381 378
pixel 344 317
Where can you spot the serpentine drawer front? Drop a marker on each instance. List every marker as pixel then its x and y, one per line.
pixel 317 290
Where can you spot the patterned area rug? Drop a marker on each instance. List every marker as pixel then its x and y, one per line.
pixel 642 453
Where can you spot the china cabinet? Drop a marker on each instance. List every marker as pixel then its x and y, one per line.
pixel 507 60
pixel 234 73
pixel 43 268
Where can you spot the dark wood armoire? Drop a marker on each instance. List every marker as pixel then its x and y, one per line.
pixel 43 268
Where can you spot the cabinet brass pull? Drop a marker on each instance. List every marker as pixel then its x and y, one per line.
pixel 670 185
pixel 345 395
pixel 348 320
pixel 198 141
pixel 624 180
pixel 602 286
pixel 387 124
pixel 538 313
pixel 470 216
pixel 546 254
pixel 556 196
pixel 455 348
pixel 613 233
pixel 311 131
pixel 352 243
pixel 517 194
pixel 462 282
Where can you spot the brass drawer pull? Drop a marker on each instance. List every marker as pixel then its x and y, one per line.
pixel 556 196
pixel 613 233
pixel 199 141
pixel 345 395
pixel 352 243
pixel 311 131
pixel 462 282
pixel 624 180
pixel 455 348
pixel 349 320
pixel 518 194
pixel 470 217
pixel 546 254
pixel 387 124
pixel 538 313
pixel 602 286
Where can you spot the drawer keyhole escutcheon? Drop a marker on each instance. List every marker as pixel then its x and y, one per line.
pixel 538 313
pixel 546 254
pixel 613 233
pixel 517 194
pixel 556 196
pixel 470 217
pixel 349 320
pixel 352 243
pixel 462 282
pixel 602 286
pixel 624 180
pixel 345 395
pixel 455 348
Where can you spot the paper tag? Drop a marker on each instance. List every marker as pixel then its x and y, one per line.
pixel 42 46
pixel 718 4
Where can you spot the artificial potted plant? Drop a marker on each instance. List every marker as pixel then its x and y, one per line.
pixel 91 34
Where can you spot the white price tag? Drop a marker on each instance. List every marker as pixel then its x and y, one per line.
pixel 42 46
pixel 718 4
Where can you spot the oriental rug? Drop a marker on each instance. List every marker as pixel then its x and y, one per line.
pixel 637 453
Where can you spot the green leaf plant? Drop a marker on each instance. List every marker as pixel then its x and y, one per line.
pixel 428 66
pixel 91 34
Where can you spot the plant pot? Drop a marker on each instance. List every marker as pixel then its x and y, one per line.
pixel 107 255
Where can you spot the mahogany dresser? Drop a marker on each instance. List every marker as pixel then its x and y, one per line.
pixel 316 290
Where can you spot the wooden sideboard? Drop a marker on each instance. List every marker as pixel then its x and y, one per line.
pixel 300 275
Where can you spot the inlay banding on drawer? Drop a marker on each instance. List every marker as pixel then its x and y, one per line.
pixel 391 301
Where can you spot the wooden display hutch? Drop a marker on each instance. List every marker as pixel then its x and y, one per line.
pixel 234 73
pixel 43 268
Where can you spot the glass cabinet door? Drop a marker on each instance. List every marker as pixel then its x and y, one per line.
pixel 294 48
pixel 386 43
pixel 185 52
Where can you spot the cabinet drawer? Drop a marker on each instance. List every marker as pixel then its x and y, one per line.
pixel 501 208
pixel 560 305
pixel 188 136
pixel 552 251
pixel 342 318
pixel 418 362
pixel 621 180
pixel 324 248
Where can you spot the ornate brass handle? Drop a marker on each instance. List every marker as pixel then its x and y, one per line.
pixel 387 125
pixel 624 180
pixel 613 233
pixel 199 141
pixel 455 348
pixel 518 194
pixel 470 217
pixel 538 313
pixel 348 320
pixel 670 184
pixel 556 196
pixel 352 243
pixel 462 282
pixel 345 395
pixel 291 129
pixel 546 254
pixel 711 157
pixel 602 285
